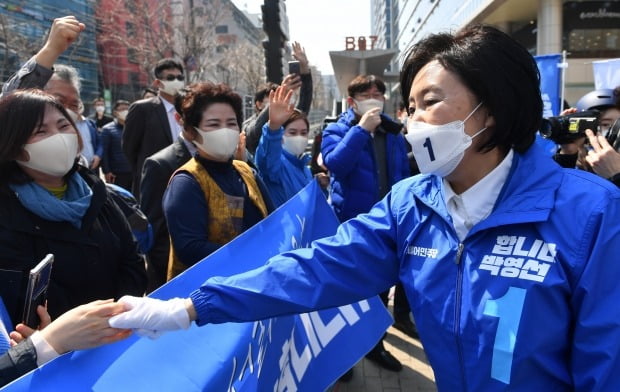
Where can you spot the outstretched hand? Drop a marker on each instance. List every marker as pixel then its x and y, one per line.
pixel 152 317
pixel 84 327
pixel 280 107
pixel 63 33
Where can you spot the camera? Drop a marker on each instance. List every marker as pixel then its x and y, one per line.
pixel 568 128
pixel 612 135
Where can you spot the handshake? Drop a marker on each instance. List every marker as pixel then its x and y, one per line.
pixel 152 317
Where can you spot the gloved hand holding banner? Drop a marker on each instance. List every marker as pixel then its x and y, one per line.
pixel 305 352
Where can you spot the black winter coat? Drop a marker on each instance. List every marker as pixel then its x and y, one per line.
pixel 98 261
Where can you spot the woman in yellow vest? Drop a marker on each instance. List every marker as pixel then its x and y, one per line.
pixel 213 197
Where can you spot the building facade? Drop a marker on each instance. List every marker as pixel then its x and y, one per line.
pixel 24 25
pixel 131 37
pixel 586 30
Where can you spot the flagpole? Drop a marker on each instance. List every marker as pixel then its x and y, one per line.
pixel 563 65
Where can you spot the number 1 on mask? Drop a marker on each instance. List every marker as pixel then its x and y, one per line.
pixel 429 147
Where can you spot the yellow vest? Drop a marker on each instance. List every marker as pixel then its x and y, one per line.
pixel 223 212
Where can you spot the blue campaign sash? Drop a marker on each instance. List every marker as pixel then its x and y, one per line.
pixel 305 352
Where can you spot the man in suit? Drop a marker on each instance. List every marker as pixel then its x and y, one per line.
pixel 150 125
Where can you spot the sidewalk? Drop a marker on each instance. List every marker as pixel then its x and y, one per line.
pixel 416 376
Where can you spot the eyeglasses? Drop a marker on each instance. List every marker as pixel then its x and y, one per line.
pixel 173 77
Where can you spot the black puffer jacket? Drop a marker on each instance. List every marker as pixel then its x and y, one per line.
pixel 98 261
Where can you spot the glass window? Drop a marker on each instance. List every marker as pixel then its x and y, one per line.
pixel 593 42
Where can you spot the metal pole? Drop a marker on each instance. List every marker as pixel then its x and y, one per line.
pixel 563 65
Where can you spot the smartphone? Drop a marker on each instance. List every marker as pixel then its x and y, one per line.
pixel 293 67
pixel 36 292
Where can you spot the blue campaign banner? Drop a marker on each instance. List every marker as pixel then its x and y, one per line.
pixel 302 352
pixel 550 79
pixel 6 326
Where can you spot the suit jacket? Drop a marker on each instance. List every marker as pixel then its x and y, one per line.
pixel 147 131
pixel 156 173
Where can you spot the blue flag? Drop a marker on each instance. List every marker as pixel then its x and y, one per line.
pixel 550 85
pixel 301 352
pixel 550 79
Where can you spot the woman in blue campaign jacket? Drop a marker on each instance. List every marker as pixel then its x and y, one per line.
pixel 509 261
pixel 280 156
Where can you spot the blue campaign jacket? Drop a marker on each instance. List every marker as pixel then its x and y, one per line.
pixel 527 302
pixel 348 154
pixel 283 173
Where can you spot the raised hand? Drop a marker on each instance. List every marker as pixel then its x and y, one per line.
pixel 280 107
pixel 299 53
pixel 63 33
pixel 291 82
pixel 605 161
pixel 371 120
pixel 240 152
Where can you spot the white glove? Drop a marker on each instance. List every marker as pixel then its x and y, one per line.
pixel 151 317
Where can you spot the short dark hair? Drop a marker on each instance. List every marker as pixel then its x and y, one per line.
pixel 496 69
pixel 179 97
pixel 297 115
pixel 98 99
pixel 20 113
pixel 199 96
pixel 362 83
pixel 264 90
pixel 617 97
pixel 120 102
pixel 164 64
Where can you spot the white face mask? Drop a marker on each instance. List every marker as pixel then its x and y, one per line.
pixel 54 155
pixel 99 109
pixel 219 144
pixel 361 107
pixel 171 87
pixel 296 145
pixel 122 115
pixel 438 149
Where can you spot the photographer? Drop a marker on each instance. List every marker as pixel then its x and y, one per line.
pixel 600 157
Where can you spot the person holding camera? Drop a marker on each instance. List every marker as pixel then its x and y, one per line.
pixel 586 149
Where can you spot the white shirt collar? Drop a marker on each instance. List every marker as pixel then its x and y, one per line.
pixel 476 203
pixel 175 128
pixel 167 105
pixel 189 145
